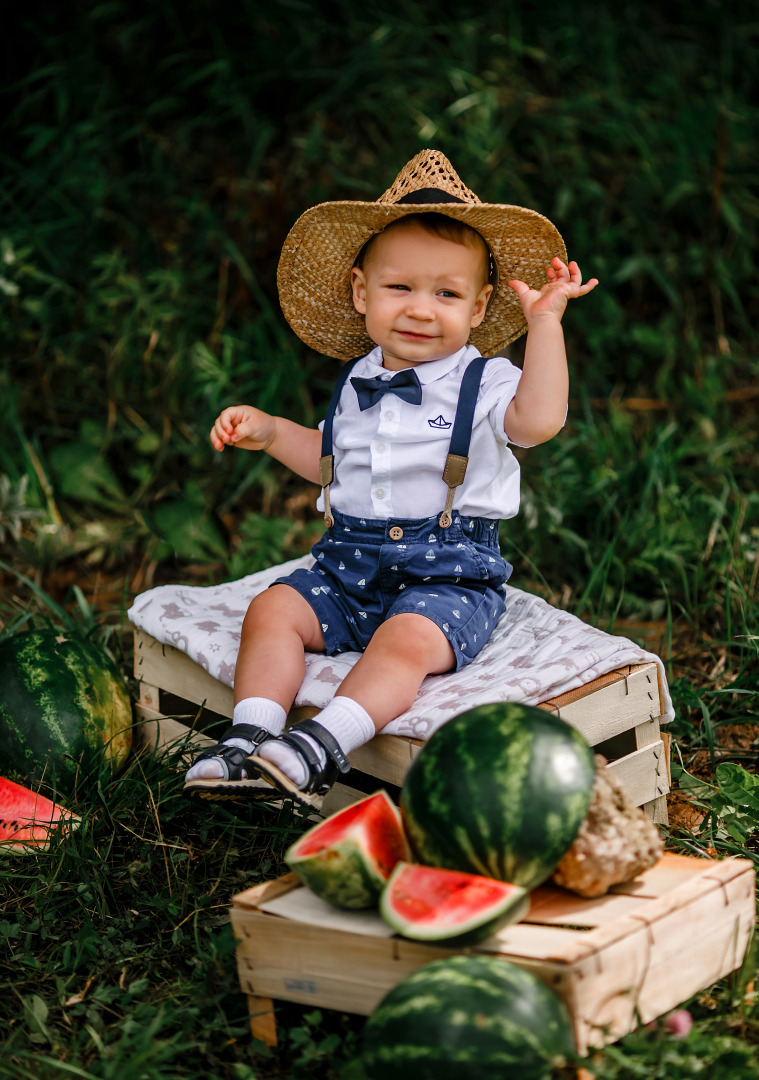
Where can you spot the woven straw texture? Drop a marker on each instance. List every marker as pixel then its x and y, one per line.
pixel 313 276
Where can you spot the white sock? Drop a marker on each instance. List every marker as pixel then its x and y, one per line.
pixel 347 722
pixel 253 710
pixel 262 711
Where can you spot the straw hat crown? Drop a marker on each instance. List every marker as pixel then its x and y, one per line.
pixel 313 276
pixel 429 169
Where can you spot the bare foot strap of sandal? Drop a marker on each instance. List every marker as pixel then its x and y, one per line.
pixel 321 775
pixel 232 757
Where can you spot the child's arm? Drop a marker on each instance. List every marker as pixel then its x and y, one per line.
pixel 539 407
pixel 297 447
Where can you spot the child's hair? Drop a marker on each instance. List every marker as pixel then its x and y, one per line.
pixel 448 228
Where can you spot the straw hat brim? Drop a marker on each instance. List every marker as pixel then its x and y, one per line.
pixel 313 276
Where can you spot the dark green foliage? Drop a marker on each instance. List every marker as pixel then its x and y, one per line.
pixel 154 158
pixel 116 953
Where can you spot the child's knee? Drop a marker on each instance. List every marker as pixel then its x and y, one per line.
pixel 417 640
pixel 282 609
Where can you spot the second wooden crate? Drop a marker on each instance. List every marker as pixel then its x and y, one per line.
pixel 617 961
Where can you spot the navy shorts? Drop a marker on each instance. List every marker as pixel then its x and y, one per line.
pixel 368 570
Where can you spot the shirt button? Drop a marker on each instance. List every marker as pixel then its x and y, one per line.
pixel 389 415
pixel 380 448
pixel 396 533
pixel 380 493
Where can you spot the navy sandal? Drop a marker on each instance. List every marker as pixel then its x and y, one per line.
pixel 320 777
pixel 233 785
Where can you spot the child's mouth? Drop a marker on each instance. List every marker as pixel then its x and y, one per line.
pixel 411 335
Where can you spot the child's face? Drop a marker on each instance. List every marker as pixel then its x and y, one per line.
pixel 421 295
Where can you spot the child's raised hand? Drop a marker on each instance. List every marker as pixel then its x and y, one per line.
pixel 242 425
pixel 564 283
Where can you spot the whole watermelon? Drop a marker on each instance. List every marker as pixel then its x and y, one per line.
pixel 465 1018
pixel 63 704
pixel 500 790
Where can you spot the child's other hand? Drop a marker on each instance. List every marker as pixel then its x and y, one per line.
pixel 242 425
pixel 564 283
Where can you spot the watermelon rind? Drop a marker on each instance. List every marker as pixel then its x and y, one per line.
pixel 63 706
pixel 471 908
pixel 28 819
pixel 500 790
pixel 350 868
pixel 466 1018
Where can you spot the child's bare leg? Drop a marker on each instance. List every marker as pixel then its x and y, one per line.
pixel 401 653
pixel 382 685
pixel 278 628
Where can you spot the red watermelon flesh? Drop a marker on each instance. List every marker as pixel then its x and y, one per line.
pixel 429 904
pixel 347 859
pixel 27 818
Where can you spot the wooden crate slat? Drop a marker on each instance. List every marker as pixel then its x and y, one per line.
pixel 340 796
pixel 554 906
pixel 670 872
pixel 613 708
pixel 162 732
pixel 175 672
pixel 386 756
pixel 642 773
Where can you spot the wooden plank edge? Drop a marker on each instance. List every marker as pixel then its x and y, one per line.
pixel 700 885
pixel 249 899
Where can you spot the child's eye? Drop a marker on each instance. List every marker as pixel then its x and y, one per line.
pixel 448 292
pixel 403 288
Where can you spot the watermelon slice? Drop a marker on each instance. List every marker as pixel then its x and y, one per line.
pixel 347 859
pixel 428 904
pixel 27 818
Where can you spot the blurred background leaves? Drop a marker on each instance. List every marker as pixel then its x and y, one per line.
pixel 154 156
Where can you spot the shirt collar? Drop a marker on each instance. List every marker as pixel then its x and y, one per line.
pixel 429 372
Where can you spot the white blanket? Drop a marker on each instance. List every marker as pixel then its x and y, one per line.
pixel 537 651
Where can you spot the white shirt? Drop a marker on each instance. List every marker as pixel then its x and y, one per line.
pixel 389 460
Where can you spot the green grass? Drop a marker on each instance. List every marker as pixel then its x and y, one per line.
pixel 152 160
pixel 117 955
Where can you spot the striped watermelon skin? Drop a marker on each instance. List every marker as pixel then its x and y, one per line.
pixel 347 859
pixel 62 703
pixel 466 1018
pixel 501 791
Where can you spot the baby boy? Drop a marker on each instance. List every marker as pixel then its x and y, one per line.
pixel 413 458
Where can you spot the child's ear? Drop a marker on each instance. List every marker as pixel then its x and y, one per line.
pixel 358 285
pixel 480 305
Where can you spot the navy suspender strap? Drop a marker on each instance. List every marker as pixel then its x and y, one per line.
pixel 327 460
pixel 458 449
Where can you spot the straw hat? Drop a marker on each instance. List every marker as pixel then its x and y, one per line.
pixel 313 276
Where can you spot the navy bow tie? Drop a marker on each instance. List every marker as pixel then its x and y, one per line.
pixel 405 384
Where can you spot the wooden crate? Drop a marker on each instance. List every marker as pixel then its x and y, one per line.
pixel 618 961
pixel 618 714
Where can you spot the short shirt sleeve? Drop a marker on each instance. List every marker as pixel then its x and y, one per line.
pixel 497 389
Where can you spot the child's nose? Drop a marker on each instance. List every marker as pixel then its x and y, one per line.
pixel 419 306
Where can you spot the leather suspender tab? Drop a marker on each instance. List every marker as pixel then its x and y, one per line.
pixel 455 469
pixel 326 469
